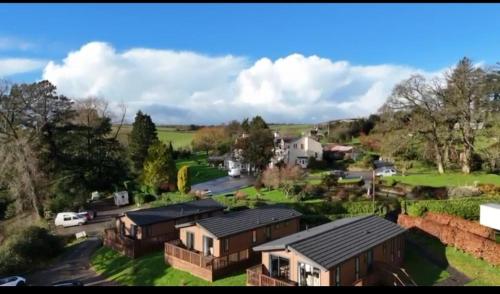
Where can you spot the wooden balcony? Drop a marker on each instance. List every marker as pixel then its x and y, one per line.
pixel 257 277
pixel 206 267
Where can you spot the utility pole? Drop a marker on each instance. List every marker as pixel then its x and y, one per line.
pixel 373 191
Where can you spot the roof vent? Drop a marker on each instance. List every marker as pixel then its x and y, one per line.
pixel 367 231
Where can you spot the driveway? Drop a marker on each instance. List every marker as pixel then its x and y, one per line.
pixel 225 184
pixel 72 265
pixel 106 212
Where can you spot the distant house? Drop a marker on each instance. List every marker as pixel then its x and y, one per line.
pixel 142 231
pixel 341 151
pixel 214 246
pixel 296 150
pixel 363 250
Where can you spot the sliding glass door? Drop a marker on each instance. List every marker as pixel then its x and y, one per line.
pixel 308 275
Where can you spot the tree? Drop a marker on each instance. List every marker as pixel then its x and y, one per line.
pixel 209 139
pixel 283 178
pixel 467 99
pixel 157 171
pixel 417 105
pixel 257 146
pixel 142 136
pixel 30 114
pixel 183 180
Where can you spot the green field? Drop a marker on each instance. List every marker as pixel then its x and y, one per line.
pixel 151 270
pixel 291 129
pixel 478 270
pixel 179 139
pixel 447 180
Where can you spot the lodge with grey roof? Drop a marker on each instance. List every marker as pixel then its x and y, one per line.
pixel 212 246
pixel 350 251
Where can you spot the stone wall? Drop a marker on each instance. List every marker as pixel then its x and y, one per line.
pixel 465 235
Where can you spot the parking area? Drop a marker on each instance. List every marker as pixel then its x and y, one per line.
pixel 225 184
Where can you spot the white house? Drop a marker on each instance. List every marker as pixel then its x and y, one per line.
pixel 296 150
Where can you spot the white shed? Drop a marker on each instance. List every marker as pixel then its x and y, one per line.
pixel 121 198
pixel 489 215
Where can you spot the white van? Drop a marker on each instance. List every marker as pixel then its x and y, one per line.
pixel 234 172
pixel 68 219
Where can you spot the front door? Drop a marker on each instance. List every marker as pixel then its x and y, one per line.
pixel 208 246
pixel 189 240
pixel 280 267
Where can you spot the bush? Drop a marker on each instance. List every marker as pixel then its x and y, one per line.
pixel 313 163
pixel 341 194
pixel 11 210
pixel 391 182
pixel 489 189
pixel 467 208
pixel 30 247
pixel 330 180
pixel 240 195
pixel 465 191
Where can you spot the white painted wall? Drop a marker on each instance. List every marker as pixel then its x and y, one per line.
pixel 490 215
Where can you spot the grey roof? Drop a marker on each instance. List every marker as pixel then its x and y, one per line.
pixel 240 221
pixel 332 243
pixel 174 211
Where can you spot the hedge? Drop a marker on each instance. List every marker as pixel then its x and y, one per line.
pixel 346 207
pixel 467 208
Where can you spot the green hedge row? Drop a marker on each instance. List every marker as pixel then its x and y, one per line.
pixel 467 208
pixel 346 207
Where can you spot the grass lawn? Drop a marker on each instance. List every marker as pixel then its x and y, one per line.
pixel 448 180
pixel 422 271
pixel 151 270
pixel 481 272
pixel 270 196
pixel 199 168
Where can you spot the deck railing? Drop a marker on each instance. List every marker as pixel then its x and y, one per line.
pixel 256 277
pixel 176 249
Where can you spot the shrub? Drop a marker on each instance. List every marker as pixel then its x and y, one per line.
pixel 465 191
pixel 391 182
pixel 183 180
pixel 11 210
pixel 329 180
pixel 489 189
pixel 467 208
pixel 240 195
pixel 342 194
pixel 30 247
pixel 313 163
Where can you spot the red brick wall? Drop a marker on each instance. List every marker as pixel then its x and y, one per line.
pixel 458 233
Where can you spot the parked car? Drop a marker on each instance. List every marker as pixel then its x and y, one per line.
pixel 234 172
pixel 68 219
pixel 338 173
pixel 13 281
pixel 91 214
pixel 385 172
pixel 68 283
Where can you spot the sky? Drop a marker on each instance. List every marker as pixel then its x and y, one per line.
pixel 211 63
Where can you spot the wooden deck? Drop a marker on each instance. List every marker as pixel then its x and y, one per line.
pixel 206 267
pixel 257 277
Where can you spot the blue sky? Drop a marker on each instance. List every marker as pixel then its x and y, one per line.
pixel 426 37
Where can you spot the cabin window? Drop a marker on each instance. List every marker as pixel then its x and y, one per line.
pixel 337 275
pixel 400 245
pixel 294 146
pixel 268 232
pixel 356 268
pixel 369 259
pixel 189 240
pixel 384 248
pixel 226 245
pixel 254 236
pixel 315 154
pixel 308 275
pixel 392 250
pixel 133 231
pixel 302 146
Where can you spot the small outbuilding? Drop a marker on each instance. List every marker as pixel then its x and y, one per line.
pixel 121 198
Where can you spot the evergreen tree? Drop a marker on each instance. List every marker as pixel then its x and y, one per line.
pixel 183 180
pixel 159 167
pixel 143 135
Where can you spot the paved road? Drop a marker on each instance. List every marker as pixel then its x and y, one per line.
pixel 225 184
pixel 73 264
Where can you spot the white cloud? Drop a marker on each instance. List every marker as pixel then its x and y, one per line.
pixel 14 43
pixel 12 66
pixel 187 87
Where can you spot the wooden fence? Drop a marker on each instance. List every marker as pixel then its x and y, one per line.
pixel 257 277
